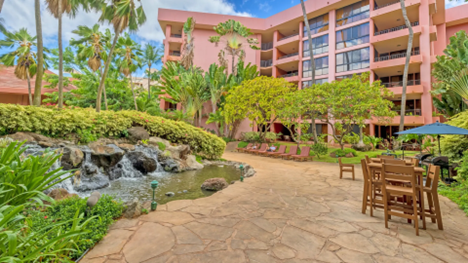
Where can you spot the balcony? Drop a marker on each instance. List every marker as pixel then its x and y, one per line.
pixel 393 29
pixel 174 56
pixel 288 39
pixel 287 59
pixel 175 38
pixel 409 120
pixel 176 35
pixel 395 56
pixel 411 112
pixel 267 46
pixel 291 77
pixel 385 5
pixel 395 84
pixel 266 63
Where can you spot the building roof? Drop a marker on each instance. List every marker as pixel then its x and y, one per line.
pixel 10 84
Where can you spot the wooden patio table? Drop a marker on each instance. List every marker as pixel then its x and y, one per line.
pixel 418 172
pixel 378 160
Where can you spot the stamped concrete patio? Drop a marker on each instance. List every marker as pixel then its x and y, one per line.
pixel 287 212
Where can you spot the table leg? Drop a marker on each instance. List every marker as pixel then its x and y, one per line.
pixel 421 198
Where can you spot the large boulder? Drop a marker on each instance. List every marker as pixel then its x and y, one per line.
pixel 90 179
pixel 105 156
pixel 22 136
pixel 93 199
pixel 126 147
pixel 72 157
pixel 179 152
pixel 142 162
pixel 136 134
pixel 133 209
pixel 60 194
pixel 214 184
pixel 156 140
pixel 362 147
pixel 191 164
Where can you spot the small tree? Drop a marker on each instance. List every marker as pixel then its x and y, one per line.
pixel 352 101
pixel 260 100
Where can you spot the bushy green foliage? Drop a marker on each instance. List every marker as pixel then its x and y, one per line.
pixel 60 123
pixel 106 211
pixel 255 136
pixel 351 138
pixel 161 146
pixel 457 192
pixel 453 146
pixel 199 159
pixel 320 149
pixel 342 153
pixel 462 169
pixel 242 144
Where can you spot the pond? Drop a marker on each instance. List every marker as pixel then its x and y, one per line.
pixel 185 185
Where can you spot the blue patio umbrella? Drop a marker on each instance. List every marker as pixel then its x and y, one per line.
pixel 438 129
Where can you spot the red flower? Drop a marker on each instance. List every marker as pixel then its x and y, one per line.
pixel 162 121
pixel 146 120
pixel 45 217
pixel 186 135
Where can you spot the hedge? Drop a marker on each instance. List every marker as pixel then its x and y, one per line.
pixel 453 146
pixel 60 123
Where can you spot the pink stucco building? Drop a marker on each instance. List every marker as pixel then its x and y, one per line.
pixel 349 37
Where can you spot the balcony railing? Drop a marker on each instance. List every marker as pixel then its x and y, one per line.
pixel 267 46
pixel 400 83
pixel 286 37
pixel 412 112
pixel 174 53
pixel 393 29
pixel 382 6
pixel 289 55
pixel 266 63
pixel 289 75
pixel 176 35
pixel 395 56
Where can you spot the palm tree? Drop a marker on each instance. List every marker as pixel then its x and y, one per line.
pixel 151 55
pixel 196 87
pixel 1 5
pixel 92 47
pixel 122 14
pixel 173 82
pixel 130 52
pixel 57 8
pixel 459 85
pixel 405 73
pixel 234 34
pixel 187 46
pixel 40 54
pixel 23 57
pixel 312 62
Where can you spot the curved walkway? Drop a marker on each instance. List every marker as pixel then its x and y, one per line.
pixel 287 212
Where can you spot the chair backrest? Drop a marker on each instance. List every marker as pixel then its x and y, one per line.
pixel 365 169
pixel 282 149
pixel 385 157
pixel 339 161
pixel 264 147
pixel 399 173
pixel 249 145
pixel 305 150
pixel 293 149
pixel 415 162
pixel 432 179
pixel 394 161
pixel 368 160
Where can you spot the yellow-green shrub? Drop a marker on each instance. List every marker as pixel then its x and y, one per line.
pixel 60 123
pixel 453 146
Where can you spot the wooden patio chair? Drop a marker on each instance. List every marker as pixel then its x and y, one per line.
pixel 304 156
pixel 255 146
pixel 408 190
pixel 415 162
pixel 344 167
pixel 246 148
pixel 262 148
pixel 371 188
pixel 394 162
pixel 433 210
pixel 292 151
pixel 281 150
pixel 385 157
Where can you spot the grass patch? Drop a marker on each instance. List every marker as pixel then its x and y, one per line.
pixel 457 192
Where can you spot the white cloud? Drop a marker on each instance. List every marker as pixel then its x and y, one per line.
pixel 449 4
pixel 20 13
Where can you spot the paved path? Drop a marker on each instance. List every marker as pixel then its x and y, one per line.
pixel 288 212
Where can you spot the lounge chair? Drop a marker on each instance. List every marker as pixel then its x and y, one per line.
pixel 292 151
pixel 304 156
pixel 259 152
pixel 262 148
pixel 242 149
pixel 281 150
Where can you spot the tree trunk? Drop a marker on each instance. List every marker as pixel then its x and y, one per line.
pixel 149 81
pixel 106 70
pixel 60 44
pixel 40 54
pixel 405 74
pixel 103 89
pixel 312 62
pixel 1 5
pixel 361 136
pixel 232 69
pixel 213 110
pixel 133 92
pixel 29 88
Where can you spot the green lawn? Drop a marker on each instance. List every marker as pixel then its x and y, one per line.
pixel 353 160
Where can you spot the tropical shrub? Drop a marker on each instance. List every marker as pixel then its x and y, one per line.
pixel 102 214
pixel 60 123
pixel 462 169
pixel 320 149
pixel 351 138
pixel 342 153
pixel 454 146
pixel 457 192
pixel 255 136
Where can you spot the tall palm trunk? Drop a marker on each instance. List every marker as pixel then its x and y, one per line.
pixel 104 90
pixel 29 88
pixel 312 64
pixel 149 81
pixel 1 5
pixel 106 70
pixel 40 54
pixel 233 63
pixel 60 83
pixel 133 92
pixel 405 74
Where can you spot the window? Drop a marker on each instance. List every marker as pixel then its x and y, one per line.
pixel 352 13
pixel 319 44
pixel 352 60
pixel 346 76
pixel 306 84
pixel 317 25
pixel 352 36
pixel 321 67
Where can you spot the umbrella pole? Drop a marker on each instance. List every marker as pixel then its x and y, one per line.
pixel 438 140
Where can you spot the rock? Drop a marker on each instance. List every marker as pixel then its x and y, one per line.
pixel 349 155
pixel 91 179
pixel 60 194
pixel 214 184
pixel 362 147
pixel 184 191
pixel 170 194
pixel 126 147
pixel 93 199
pixel 192 164
pixel 142 162
pixel 138 133
pixel 105 156
pixel 72 157
pixel 133 209
pixel 45 144
pixel 154 141
pixel 168 164
pixel 179 152
pixel 333 155
pixel 22 136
